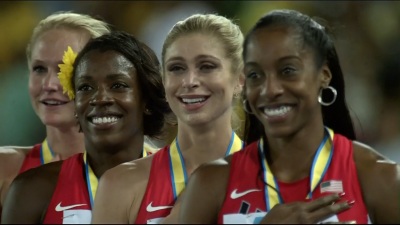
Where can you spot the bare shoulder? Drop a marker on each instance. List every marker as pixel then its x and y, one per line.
pixel 121 190
pixel 11 158
pixel 369 161
pixel 379 180
pixel 129 174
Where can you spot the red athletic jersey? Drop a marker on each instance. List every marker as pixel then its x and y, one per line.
pixel 245 197
pixel 70 202
pixel 159 197
pixel 33 159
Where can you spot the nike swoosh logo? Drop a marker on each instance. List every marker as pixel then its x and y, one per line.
pixel 153 209
pixel 60 208
pixel 235 195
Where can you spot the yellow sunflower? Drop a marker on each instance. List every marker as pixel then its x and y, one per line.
pixel 65 74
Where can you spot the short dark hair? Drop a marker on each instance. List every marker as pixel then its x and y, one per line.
pixel 320 39
pixel 149 75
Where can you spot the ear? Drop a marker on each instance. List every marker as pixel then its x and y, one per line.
pixel 239 86
pixel 326 76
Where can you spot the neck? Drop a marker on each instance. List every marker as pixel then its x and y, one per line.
pixel 292 156
pixel 65 142
pixel 102 157
pixel 205 143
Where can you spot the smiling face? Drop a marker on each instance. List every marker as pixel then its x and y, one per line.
pixel 282 80
pixel 108 99
pixel 198 79
pixel 52 106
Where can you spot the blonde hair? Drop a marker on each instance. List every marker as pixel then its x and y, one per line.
pixel 96 28
pixel 230 36
pixel 224 29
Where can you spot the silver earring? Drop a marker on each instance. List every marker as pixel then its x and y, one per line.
pixel 245 107
pixel 334 96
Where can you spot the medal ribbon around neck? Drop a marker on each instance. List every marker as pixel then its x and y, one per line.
pixel 46 154
pixel 91 179
pixel 177 165
pixel 320 165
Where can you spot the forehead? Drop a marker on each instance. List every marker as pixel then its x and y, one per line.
pixel 191 45
pixel 50 46
pixel 103 63
pixel 274 43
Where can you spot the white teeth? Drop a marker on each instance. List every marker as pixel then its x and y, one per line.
pixel 103 120
pixel 277 111
pixel 51 102
pixel 193 100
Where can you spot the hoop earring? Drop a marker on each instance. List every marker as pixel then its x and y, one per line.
pixel 246 108
pixel 320 96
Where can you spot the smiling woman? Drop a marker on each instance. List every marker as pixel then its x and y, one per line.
pixel 119 98
pixel 44 52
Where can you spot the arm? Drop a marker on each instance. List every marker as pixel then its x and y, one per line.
pixel 28 196
pixel 379 180
pixel 205 194
pixel 172 218
pixel 113 197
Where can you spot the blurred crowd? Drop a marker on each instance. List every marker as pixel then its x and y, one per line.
pixel 366 39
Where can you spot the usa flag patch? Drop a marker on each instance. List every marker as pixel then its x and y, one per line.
pixel 334 186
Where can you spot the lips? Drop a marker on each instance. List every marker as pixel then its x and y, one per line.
pixel 193 99
pixel 276 111
pixel 53 102
pixel 104 118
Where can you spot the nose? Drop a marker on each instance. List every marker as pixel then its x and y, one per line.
pixel 51 83
pixel 272 88
pixel 101 98
pixel 190 80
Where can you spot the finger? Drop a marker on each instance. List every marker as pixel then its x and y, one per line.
pixel 342 222
pixel 322 201
pixel 330 210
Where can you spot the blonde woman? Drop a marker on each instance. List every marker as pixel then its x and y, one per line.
pixel 44 52
pixel 202 67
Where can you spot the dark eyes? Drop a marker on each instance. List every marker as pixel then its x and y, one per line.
pixel 39 69
pixel 288 70
pixel 86 87
pixel 119 85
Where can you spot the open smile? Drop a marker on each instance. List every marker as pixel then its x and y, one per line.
pixel 193 102
pixel 104 121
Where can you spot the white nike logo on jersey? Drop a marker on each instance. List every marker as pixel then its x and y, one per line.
pixel 60 208
pixel 235 195
pixel 152 209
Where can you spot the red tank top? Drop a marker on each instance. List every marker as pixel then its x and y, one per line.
pixel 245 200
pixel 159 197
pixel 167 179
pixel 70 202
pixel 33 159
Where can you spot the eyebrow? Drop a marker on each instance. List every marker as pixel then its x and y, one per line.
pixel 203 56
pixel 38 61
pixel 279 60
pixel 109 76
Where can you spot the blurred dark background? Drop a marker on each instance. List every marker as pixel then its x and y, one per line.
pixel 368 35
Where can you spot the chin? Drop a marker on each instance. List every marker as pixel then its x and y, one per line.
pixel 278 131
pixel 58 121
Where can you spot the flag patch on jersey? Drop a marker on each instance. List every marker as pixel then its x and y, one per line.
pixel 332 186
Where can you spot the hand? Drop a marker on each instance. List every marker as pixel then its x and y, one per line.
pixel 306 212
